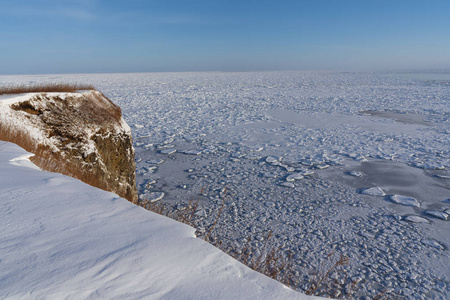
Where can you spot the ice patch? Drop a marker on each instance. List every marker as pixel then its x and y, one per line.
pixel 150 182
pixel 155 161
pixel 166 146
pixel 294 176
pixel 415 219
pixel 168 151
pixel 322 167
pixel 355 173
pixel 373 191
pixel 191 152
pixel 432 243
pixel 404 200
pixel 437 214
pixel 288 168
pixel 429 166
pixel 272 160
pixel 152 196
pixel 307 173
pixel 442 176
pixel 288 184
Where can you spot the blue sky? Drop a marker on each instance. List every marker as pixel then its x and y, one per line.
pixel 85 36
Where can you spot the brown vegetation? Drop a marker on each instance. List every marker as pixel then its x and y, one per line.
pixel 45 88
pixel 274 262
pixel 185 216
pixel 47 159
pixel 96 108
pixel 66 120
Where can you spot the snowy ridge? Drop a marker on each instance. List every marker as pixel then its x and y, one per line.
pixel 61 238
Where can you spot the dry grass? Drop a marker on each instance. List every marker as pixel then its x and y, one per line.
pixel 47 159
pixel 208 235
pixel 13 135
pixel 45 88
pixel 185 215
pixel 66 117
pixel 270 262
pixel 274 262
pixel 321 278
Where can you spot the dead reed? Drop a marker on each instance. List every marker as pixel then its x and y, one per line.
pixel 45 88
pixel 67 118
pixel 185 215
pixel 47 159
pixel 274 262
pixel 323 274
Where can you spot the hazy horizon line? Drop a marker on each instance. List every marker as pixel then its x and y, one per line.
pixel 411 70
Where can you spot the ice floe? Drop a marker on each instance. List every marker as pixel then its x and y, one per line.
pixel 294 176
pixel 287 184
pixel 191 152
pixel 404 200
pixel 168 151
pixel 155 161
pixel 152 196
pixel 307 173
pixel 272 160
pixel 373 191
pixel 442 176
pixel 415 219
pixel 437 214
pixel 432 243
pixel 150 182
pixel 321 167
pixel 355 173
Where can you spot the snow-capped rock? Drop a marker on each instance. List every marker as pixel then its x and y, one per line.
pixel 81 135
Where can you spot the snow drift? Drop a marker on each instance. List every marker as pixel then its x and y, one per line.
pixel 63 239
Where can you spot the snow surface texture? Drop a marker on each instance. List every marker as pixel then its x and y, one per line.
pixel 63 239
pixel 248 138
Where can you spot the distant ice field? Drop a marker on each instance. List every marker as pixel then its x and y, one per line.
pixel 324 113
pixel 360 157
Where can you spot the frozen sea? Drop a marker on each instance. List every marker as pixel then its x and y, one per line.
pixel 330 162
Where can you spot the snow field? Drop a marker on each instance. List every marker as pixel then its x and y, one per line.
pixel 61 238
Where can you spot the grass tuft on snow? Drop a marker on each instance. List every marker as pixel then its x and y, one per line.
pixel 45 88
pixel 274 262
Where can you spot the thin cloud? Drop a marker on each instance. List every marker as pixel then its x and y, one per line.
pixel 27 12
pixel 174 20
pixel 76 14
pixel 157 19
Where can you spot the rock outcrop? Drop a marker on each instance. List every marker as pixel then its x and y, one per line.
pixel 82 135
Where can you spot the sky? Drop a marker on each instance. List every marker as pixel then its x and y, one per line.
pixel 97 36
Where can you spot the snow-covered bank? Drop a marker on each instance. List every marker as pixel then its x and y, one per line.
pixel 60 238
